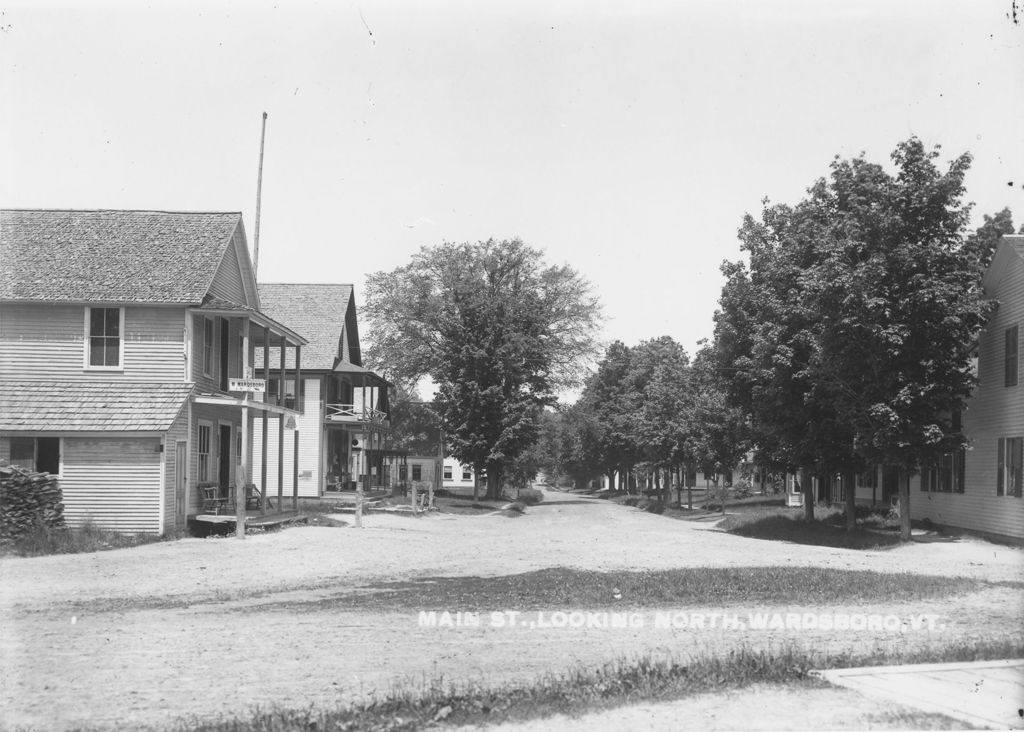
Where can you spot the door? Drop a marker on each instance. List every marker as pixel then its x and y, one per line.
pixel 224 457
pixel 890 483
pixel 180 474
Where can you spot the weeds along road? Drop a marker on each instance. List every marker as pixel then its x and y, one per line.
pixel 210 626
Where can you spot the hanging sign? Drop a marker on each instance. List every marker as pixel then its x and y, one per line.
pixel 257 385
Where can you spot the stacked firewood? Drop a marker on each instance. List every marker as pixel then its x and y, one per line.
pixel 28 501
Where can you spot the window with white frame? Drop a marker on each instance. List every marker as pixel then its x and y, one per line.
pixel 1009 466
pixel 447 472
pixel 467 474
pixel 417 471
pixel 207 347
pixel 203 452
pixel 40 454
pixel 104 341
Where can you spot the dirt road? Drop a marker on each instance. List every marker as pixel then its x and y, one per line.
pixel 198 627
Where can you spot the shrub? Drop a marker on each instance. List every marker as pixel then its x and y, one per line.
pixel 530 496
pixel 29 502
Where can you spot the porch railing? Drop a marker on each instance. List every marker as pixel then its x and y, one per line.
pixel 354 413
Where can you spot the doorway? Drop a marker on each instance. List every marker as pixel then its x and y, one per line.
pixel 180 475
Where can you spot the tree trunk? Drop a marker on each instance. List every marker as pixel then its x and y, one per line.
pixel 476 482
pixel 904 505
pixel 493 483
pixel 850 484
pixel 808 487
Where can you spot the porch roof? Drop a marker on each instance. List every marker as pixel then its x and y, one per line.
pixel 225 308
pixel 99 406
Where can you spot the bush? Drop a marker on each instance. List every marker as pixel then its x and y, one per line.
pixel 29 502
pixel 530 496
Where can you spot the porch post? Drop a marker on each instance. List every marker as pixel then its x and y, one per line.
pixel 295 475
pixel 280 425
pixel 243 479
pixel 263 455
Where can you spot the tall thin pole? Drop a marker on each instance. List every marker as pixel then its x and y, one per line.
pixel 259 192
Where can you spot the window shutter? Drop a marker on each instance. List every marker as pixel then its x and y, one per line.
pixel 1018 465
pixel 1000 466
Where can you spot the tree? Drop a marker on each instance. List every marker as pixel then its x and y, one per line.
pixel 986 238
pixel 497 331
pixel 850 338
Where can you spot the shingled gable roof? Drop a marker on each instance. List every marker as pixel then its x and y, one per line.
pixel 90 406
pixel 111 256
pixel 318 312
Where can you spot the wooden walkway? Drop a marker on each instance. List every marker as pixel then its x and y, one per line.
pixel 253 519
pixel 987 694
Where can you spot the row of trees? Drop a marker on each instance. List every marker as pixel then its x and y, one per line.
pixel 843 341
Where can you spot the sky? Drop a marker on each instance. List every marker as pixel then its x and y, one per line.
pixel 626 139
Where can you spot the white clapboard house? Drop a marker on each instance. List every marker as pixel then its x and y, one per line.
pixel 122 336
pixel 343 437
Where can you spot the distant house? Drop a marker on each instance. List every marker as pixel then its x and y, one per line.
pixel 981 489
pixel 343 435
pixel 455 475
pixel 120 335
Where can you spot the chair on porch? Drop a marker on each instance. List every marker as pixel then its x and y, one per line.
pixel 211 499
pixel 253 495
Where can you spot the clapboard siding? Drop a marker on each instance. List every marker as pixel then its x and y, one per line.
pixel 994 411
pixel 227 283
pixel 178 431
pixel 115 482
pixel 47 342
pixel 310 435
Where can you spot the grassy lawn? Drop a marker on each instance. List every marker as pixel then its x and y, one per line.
pixel 87 538
pixel 579 589
pixel 434 703
pixel 873 531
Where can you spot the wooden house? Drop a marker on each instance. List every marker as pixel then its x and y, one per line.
pixel 344 432
pixel 121 333
pixel 980 489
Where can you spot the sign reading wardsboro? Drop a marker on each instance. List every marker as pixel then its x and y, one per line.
pixel 256 385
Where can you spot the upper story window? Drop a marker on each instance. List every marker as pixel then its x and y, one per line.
pixel 1010 356
pixel 289 393
pixel 207 347
pixel 104 338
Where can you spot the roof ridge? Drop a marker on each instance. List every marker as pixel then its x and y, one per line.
pixel 309 284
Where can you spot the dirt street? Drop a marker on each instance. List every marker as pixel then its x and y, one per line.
pixel 198 626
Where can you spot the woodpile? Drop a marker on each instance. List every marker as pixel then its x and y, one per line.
pixel 28 500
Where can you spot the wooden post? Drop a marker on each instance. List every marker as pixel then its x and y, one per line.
pixel 359 488
pixel 266 426
pixel 904 487
pixel 295 475
pixel 259 192
pixel 242 479
pixel 413 494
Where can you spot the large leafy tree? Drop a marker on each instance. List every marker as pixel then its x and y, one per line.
pixel 851 336
pixel 498 332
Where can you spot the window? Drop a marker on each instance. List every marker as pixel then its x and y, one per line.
pixel 1008 469
pixel 417 472
pixel 467 474
pixel 207 347
pixel 447 472
pixel 289 393
pixel 403 471
pixel 203 451
pixel 946 475
pixel 103 328
pixel 41 454
pixel 1010 356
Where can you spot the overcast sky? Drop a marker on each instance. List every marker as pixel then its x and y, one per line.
pixel 624 138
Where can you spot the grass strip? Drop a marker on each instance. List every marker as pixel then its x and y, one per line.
pixel 433 703
pixel 563 587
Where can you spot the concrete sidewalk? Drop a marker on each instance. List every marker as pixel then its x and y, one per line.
pixel 987 694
